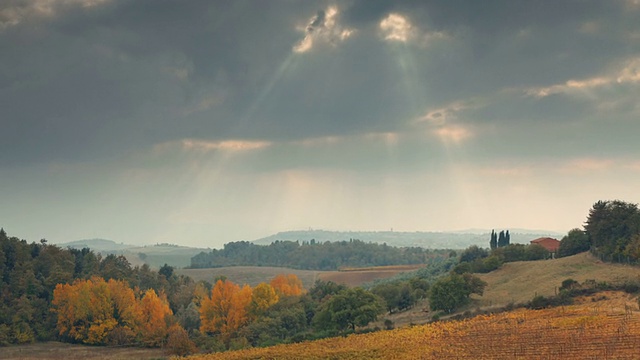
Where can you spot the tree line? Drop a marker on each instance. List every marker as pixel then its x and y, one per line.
pixel 611 231
pixel 31 274
pixel 50 293
pixel 311 255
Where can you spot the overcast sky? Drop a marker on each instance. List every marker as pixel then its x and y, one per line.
pixel 204 122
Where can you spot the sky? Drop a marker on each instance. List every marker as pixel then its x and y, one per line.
pixel 202 122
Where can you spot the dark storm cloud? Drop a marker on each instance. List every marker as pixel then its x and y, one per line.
pixel 104 80
pixel 97 80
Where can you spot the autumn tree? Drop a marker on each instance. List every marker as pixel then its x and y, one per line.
pixel 126 311
pixel 155 310
pixel 263 297
pixel 226 310
pixel 95 311
pixel 287 285
pixel 85 310
pixel 178 342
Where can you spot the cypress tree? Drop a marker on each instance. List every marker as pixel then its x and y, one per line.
pixel 501 239
pixel 493 243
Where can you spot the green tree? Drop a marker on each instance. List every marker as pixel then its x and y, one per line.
pixel 453 291
pixel 493 243
pixel 166 270
pixel 350 308
pixel 576 241
pixel 611 225
pixel 323 289
pixel 472 253
pixel 501 239
pixel 390 293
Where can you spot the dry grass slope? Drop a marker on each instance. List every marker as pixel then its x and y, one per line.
pixel 519 282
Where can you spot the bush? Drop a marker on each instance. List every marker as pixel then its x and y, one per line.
pixel 178 342
pixel 388 324
pixel 568 284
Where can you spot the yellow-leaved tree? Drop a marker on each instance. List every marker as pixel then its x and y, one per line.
pixel 226 310
pixel 95 311
pixel 85 310
pixel 264 296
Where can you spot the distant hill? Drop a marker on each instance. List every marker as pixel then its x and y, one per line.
pixel 430 240
pixel 153 255
pixel 97 245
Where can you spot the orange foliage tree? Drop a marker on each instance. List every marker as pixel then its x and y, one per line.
pixel 287 285
pixel 95 311
pixel 155 310
pixel 85 309
pixel 226 310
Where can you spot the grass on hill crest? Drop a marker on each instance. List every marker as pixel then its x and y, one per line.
pixel 520 281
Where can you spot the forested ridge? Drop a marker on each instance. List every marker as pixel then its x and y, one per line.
pixel 313 255
pixel 32 273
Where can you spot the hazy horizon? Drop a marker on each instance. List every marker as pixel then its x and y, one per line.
pixel 204 122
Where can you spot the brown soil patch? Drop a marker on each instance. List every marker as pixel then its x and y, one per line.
pixel 359 276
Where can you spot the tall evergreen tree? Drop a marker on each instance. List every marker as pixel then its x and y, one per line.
pixel 507 238
pixel 493 243
pixel 501 239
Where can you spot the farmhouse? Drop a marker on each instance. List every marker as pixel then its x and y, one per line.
pixel 548 243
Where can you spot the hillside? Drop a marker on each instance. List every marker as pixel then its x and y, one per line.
pixel 607 329
pixel 153 255
pixel 430 240
pixel 97 245
pixel 520 281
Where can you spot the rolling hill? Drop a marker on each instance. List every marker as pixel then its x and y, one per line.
pixel 430 240
pixel 152 255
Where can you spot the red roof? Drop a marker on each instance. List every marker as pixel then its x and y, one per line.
pixel 548 243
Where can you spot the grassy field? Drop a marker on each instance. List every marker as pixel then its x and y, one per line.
pixel 253 275
pixel 605 329
pixel 56 350
pixel 519 282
